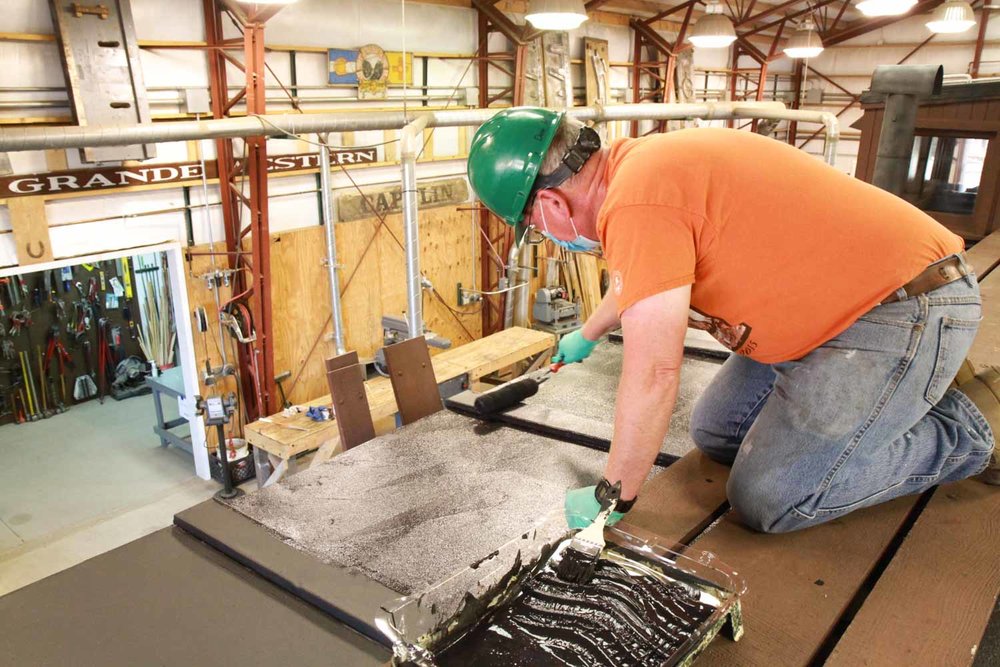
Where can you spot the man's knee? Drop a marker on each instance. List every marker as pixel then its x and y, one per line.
pixel 709 438
pixel 759 506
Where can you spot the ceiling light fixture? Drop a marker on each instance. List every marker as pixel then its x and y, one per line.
pixel 713 30
pixel 952 16
pixel 806 42
pixel 556 14
pixel 885 7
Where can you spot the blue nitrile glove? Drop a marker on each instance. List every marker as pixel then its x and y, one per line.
pixel 574 347
pixel 582 508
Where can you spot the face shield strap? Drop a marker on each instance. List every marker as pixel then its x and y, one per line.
pixel 586 145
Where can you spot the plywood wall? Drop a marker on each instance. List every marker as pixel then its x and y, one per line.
pixel 208 345
pixel 373 283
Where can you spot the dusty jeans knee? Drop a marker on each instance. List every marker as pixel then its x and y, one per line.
pixel 728 407
pixel 862 419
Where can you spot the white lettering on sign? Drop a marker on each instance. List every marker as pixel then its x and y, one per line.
pixel 114 177
pixel 30 185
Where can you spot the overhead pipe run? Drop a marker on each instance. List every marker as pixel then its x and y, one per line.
pixel 45 138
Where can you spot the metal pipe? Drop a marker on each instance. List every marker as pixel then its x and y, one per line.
pixel 903 86
pixel 828 120
pixel 523 275
pixel 331 250
pixel 410 145
pixel 512 272
pixel 44 138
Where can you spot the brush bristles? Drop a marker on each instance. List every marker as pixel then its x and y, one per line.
pixel 576 567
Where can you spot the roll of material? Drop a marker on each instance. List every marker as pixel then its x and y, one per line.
pixel 507 396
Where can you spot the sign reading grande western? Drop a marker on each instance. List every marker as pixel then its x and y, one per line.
pixel 389 199
pixel 109 178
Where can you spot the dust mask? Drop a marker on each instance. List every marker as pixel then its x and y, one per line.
pixel 579 244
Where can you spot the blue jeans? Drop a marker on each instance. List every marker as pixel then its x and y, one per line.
pixel 862 419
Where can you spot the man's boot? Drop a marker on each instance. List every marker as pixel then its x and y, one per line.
pixel 984 390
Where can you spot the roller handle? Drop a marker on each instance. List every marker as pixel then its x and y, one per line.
pixel 507 396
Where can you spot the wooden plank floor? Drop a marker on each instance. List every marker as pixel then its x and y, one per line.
pixel 939 590
pixel 798 584
pixel 931 605
pixel 478 358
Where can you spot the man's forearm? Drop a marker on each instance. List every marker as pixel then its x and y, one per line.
pixel 642 414
pixel 603 319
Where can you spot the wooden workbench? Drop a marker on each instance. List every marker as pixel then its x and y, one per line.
pixel 278 441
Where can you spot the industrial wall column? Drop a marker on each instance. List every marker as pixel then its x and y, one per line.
pixel 496 237
pixel 661 71
pixel 252 265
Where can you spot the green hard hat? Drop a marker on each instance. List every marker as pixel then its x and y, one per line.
pixel 505 157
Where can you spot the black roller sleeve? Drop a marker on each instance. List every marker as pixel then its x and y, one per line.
pixel 501 398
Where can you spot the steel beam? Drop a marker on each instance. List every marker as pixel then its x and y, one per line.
pixel 977 58
pixel 865 26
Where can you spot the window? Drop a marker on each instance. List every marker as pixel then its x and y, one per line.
pixel 944 173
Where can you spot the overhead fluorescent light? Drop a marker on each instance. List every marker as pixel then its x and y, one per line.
pixel 805 42
pixel 556 14
pixel 952 16
pixel 885 7
pixel 713 30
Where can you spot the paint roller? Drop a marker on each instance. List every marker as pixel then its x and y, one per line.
pixel 511 393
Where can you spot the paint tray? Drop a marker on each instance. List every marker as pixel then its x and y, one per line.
pixel 422 625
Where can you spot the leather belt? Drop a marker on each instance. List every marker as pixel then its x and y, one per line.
pixel 938 274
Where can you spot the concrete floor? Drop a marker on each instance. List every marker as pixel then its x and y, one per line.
pixel 84 482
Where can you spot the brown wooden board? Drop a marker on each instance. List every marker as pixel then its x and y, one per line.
pixel 682 500
pixel 985 349
pixel 350 406
pixel 985 255
pixel 933 601
pixel 31 230
pixel 341 361
pixel 412 377
pixel 798 584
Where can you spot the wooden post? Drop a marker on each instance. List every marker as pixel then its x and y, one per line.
pixel 31 230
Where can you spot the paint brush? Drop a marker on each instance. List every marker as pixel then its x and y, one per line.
pixel 580 558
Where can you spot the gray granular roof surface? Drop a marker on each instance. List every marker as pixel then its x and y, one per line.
pixel 588 390
pixel 413 506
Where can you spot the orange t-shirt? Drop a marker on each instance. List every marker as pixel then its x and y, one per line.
pixel 784 252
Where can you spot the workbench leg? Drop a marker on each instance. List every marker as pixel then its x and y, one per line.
pixel 277 474
pixel 262 465
pixel 159 418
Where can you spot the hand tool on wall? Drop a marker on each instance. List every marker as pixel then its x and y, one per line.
pixel 127 316
pixel 42 382
pixel 47 282
pixel 55 347
pixel 26 374
pixel 66 273
pixel 127 277
pixel 84 387
pixel 511 393
pixel 7 349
